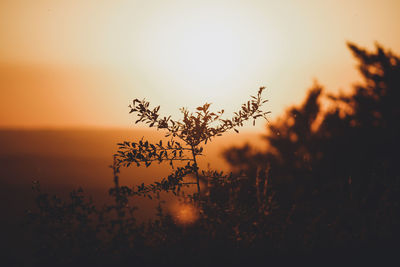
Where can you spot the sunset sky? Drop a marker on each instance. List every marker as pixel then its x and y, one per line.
pixel 80 63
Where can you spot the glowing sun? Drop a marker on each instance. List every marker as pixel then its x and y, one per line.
pixel 203 53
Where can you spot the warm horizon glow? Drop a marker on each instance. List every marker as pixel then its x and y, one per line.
pixel 80 63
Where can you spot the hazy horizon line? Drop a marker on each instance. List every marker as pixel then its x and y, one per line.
pixel 99 127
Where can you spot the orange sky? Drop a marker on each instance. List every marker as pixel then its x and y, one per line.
pixel 79 63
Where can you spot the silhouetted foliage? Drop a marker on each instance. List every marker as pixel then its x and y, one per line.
pixel 111 233
pixel 193 130
pixel 328 185
pixel 334 172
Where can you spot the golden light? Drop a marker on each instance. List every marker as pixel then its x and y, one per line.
pixel 184 213
pixel 93 57
pixel 204 54
pixel 209 52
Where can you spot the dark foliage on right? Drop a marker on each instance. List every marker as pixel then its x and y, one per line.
pixel 335 172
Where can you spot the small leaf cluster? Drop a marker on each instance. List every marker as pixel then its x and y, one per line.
pixel 201 125
pixel 145 153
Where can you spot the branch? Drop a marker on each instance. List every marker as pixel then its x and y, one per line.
pixel 145 152
pixel 173 183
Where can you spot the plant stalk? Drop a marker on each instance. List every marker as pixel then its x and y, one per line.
pixel 196 171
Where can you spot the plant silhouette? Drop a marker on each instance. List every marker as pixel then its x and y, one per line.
pixel 192 131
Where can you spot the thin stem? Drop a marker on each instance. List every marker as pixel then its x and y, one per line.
pixel 196 170
pixel 115 173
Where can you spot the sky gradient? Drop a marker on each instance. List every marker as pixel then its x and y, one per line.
pixel 80 63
